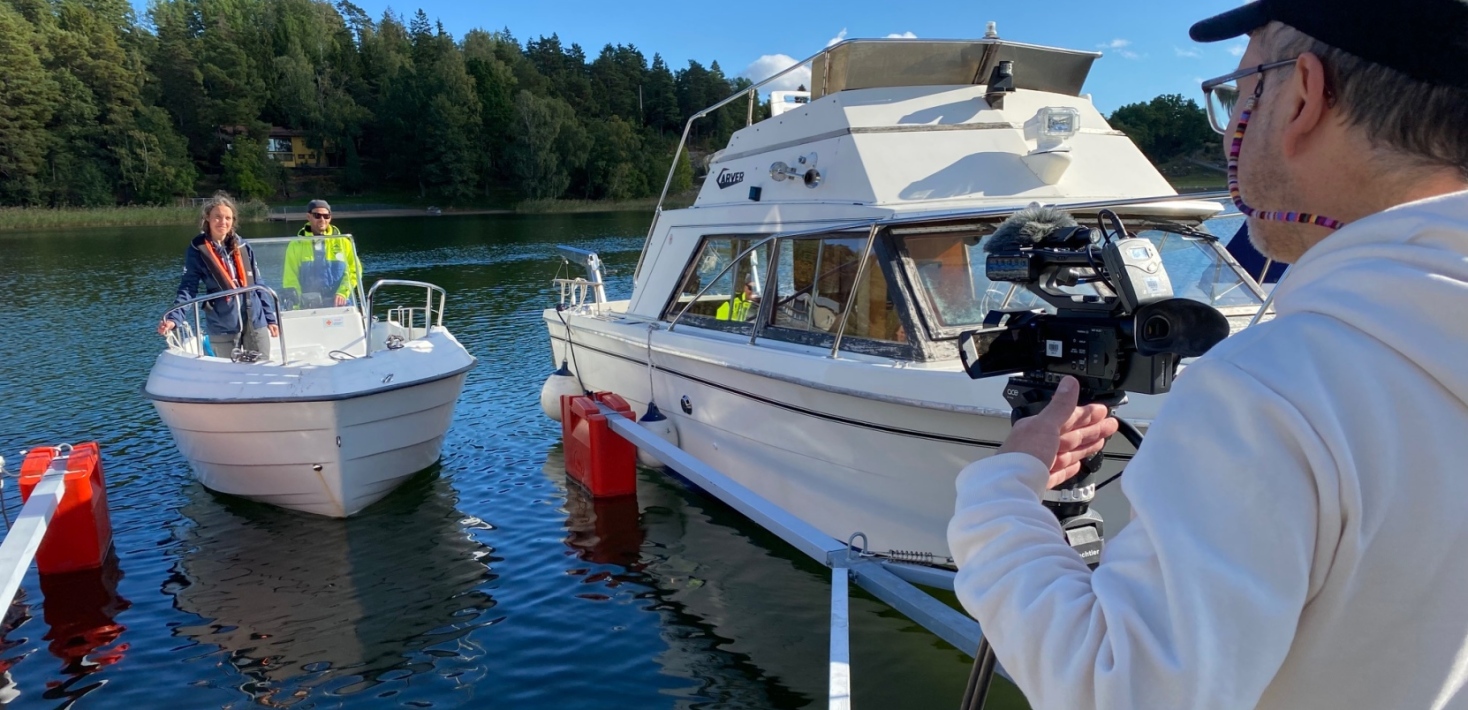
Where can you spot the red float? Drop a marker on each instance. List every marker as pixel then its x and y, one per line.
pixel 597 457
pixel 80 534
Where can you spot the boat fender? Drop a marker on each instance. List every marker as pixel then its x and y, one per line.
pixel 80 533
pixel 561 382
pixel 663 427
pixel 597 457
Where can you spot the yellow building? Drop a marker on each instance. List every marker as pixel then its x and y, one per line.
pixel 289 148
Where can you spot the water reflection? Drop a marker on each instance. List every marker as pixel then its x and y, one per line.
pixel 80 611
pixel 81 608
pixel 298 601
pixel 745 617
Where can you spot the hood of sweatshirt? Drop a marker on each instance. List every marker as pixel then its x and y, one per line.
pixel 1400 276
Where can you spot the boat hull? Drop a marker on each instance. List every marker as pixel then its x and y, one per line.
pixel 331 457
pixel 846 460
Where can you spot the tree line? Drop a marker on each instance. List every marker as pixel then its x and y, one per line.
pixel 1168 128
pixel 100 107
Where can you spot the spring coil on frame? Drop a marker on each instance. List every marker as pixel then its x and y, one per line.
pixel 911 557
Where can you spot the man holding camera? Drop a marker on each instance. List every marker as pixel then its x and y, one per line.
pixel 1300 506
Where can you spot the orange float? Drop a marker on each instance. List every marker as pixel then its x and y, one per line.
pixel 596 457
pixel 80 534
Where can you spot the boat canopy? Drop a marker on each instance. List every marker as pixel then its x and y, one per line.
pixel 879 63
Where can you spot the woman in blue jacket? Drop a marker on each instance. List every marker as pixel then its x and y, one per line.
pixel 220 260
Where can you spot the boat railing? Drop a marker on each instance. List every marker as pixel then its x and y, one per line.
pixel 196 337
pixel 407 316
pixel 577 291
pixel 751 93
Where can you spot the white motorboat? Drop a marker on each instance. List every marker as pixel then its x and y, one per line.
pixel 346 406
pixel 799 323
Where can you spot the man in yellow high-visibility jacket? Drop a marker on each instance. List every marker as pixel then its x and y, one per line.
pixel 321 269
pixel 738 308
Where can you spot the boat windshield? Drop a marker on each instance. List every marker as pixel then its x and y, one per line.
pixel 949 268
pixel 310 272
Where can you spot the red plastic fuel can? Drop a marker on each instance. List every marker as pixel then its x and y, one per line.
pixel 80 534
pixel 597 457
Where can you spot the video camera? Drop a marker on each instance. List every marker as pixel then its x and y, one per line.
pixel 1116 328
pixel 1126 334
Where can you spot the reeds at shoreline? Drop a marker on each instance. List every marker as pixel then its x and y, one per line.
pixel 27 218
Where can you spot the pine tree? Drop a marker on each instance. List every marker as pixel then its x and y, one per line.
pixel 28 99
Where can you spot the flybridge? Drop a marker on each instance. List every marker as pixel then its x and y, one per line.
pixel 882 63
pixel 873 63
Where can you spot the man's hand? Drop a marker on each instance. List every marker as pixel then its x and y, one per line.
pixel 341 300
pixel 275 333
pixel 165 325
pixel 1062 435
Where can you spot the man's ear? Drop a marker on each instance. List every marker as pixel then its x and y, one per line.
pixel 1305 101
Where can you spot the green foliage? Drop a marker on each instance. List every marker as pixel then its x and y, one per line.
pixel 100 108
pixel 682 175
pixel 246 172
pixel 28 99
pixel 548 144
pixel 1166 128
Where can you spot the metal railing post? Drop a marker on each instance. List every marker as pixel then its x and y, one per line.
pixel 840 691
pixel 197 300
pixel 861 269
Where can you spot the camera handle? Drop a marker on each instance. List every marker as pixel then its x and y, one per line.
pixel 1069 501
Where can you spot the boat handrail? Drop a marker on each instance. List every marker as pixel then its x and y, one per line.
pixel 428 317
pixel 751 92
pixel 201 299
pixel 593 265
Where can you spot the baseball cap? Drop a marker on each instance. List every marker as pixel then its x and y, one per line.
pixel 313 204
pixel 1425 39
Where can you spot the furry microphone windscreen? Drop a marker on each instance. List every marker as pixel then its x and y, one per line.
pixel 1026 228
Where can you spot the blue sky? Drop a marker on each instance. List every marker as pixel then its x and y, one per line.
pixel 1145 43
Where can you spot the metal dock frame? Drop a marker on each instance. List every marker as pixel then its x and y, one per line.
pixel 892 582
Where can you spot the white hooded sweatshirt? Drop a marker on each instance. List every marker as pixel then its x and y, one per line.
pixel 1300 507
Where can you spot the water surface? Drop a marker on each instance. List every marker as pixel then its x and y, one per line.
pixel 484 582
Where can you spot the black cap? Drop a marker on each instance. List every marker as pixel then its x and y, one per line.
pixel 1425 39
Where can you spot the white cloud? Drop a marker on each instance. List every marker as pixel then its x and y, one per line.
pixel 904 35
pixel 1188 53
pixel 772 64
pixel 1238 49
pixel 1120 47
pixel 839 36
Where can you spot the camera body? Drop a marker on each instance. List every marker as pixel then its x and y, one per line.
pixel 1128 336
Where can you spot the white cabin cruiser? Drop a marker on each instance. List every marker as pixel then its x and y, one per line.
pixel 799 323
pixel 344 408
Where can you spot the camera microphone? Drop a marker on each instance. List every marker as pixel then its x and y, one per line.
pixel 1030 227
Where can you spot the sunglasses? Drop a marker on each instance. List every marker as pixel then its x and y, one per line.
pixel 1221 95
pixel 321 215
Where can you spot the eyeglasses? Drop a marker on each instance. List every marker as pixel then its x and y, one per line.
pixel 321 215
pixel 1222 94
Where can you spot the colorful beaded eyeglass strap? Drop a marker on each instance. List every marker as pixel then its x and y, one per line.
pixel 1233 178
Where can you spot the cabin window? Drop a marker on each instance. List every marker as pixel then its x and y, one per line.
pixel 955 293
pixel 954 288
pixel 718 295
pixel 814 281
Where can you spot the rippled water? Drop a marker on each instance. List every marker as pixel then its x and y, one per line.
pixel 484 582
